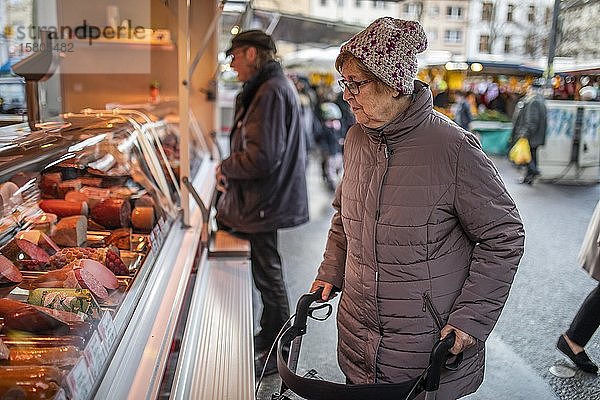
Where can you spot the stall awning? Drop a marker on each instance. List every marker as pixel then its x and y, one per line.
pixel 297 29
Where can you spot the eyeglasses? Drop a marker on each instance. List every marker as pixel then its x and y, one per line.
pixel 353 86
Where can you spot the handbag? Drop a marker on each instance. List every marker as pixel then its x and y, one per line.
pixel 520 153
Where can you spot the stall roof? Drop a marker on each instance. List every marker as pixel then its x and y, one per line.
pixel 298 29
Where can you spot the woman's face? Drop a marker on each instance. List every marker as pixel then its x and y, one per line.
pixel 372 107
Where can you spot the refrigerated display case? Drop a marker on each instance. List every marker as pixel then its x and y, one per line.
pixel 96 262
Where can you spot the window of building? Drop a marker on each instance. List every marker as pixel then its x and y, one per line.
pixel 411 9
pixel 340 3
pixel 548 16
pixel 379 4
pixel 454 12
pixel 434 11
pixel 487 11
pixel 484 43
pixel 324 3
pixel 357 3
pixel 432 34
pixel 507 48
pixel 509 13
pixel 531 14
pixel 529 45
pixel 453 36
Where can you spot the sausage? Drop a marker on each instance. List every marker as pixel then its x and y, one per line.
pixel 29 383
pixel 40 239
pixel 88 280
pixel 61 356
pixel 104 275
pixel 142 218
pixel 71 231
pixel 104 255
pixel 64 208
pixel 9 273
pixel 24 317
pixel 112 213
pixel 25 254
pixel 43 341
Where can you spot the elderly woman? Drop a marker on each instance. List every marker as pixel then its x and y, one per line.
pixel 425 239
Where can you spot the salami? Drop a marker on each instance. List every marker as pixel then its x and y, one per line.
pixel 64 208
pixel 88 280
pixel 112 213
pixel 40 239
pixel 23 317
pixel 108 257
pixel 9 273
pixel 25 255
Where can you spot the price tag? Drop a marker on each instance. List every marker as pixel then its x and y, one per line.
pixel 79 380
pixel 161 224
pixel 60 395
pixel 156 232
pixel 107 331
pixel 95 354
pixel 153 243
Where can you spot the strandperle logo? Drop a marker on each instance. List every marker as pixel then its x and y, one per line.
pixel 82 32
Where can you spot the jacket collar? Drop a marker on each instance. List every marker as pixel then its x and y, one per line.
pixel 419 108
pixel 270 70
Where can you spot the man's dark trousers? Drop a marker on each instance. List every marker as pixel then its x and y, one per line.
pixel 268 278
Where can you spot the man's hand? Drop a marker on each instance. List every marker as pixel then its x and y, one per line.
pixel 221 185
pixel 327 287
pixel 463 340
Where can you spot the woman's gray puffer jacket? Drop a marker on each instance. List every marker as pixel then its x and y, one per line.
pixel 424 229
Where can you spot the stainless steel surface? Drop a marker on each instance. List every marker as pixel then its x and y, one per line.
pixel 216 360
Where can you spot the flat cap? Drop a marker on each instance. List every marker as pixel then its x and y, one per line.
pixel 254 37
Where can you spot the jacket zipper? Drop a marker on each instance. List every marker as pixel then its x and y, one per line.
pixel 383 141
pixel 428 306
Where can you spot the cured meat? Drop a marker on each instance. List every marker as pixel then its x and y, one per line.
pixel 43 222
pixel 106 256
pixel 25 254
pixel 65 299
pixel 68 186
pixel 112 213
pixel 95 195
pixel 76 196
pixel 104 275
pixel 79 274
pixel 29 382
pixel 61 356
pixel 88 280
pixel 39 239
pixel 10 276
pixel 9 273
pixel 24 317
pixel 120 238
pixel 71 231
pixel 64 208
pixel 43 341
pixel 142 218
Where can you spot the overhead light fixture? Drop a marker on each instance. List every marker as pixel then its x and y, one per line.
pixel 235 30
pixel 453 66
pixel 476 67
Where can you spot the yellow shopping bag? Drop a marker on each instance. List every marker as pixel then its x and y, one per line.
pixel 520 153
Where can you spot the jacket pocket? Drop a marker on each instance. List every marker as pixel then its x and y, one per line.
pixel 428 306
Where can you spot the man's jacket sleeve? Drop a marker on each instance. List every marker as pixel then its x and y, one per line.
pixel 265 135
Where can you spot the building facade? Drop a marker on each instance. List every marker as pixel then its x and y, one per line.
pixel 356 12
pixel 579 30
pixel 509 29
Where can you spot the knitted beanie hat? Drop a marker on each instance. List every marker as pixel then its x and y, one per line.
pixel 388 48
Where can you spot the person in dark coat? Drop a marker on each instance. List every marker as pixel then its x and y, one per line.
pixel 530 122
pixel 463 115
pixel 425 239
pixel 587 320
pixel 263 181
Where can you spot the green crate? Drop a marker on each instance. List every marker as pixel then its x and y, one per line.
pixel 494 141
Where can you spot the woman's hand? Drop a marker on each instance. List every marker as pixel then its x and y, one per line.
pixel 327 288
pixel 463 340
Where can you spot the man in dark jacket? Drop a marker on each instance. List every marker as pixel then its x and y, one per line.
pixel 263 181
pixel 530 122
